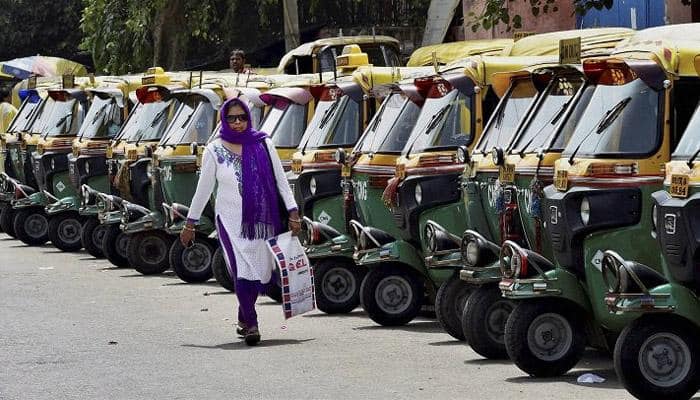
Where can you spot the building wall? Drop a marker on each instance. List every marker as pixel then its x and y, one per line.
pixel 678 13
pixel 563 19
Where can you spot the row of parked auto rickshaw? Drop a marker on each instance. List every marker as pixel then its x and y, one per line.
pixel 540 204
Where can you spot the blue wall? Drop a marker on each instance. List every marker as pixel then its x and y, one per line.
pixel 648 13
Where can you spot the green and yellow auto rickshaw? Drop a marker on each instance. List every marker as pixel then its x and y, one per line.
pixel 85 165
pixel 130 154
pixel 645 94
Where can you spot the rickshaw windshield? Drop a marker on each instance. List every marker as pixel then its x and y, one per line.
pixel 391 127
pixel 149 123
pixel 619 120
pixel 256 114
pixel 335 123
pixel 192 124
pixel 103 119
pixel 25 115
pixel 285 123
pixel 60 121
pixel 552 107
pixel 690 142
pixel 444 123
pixel 511 110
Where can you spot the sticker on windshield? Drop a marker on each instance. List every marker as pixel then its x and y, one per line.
pixel 597 260
pixel 60 186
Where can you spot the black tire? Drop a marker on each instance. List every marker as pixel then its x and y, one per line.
pixel 449 305
pixel 65 231
pixel 530 328
pixel 337 282
pixel 114 245
pixel 642 346
pixel 92 237
pixel 378 294
pixel 220 271
pixel 484 321
pixel 192 264
pixel 31 226
pixel 148 251
pixel 7 219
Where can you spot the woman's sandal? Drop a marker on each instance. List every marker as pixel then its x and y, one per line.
pixel 241 329
pixel 252 336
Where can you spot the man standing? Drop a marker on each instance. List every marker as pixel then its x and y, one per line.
pixel 7 110
pixel 237 62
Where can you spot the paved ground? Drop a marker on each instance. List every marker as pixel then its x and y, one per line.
pixel 72 327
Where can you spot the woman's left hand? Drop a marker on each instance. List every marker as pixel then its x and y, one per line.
pixel 295 227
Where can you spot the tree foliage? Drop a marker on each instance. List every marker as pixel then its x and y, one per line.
pixel 31 27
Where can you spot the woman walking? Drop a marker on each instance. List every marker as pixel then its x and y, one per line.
pixel 249 177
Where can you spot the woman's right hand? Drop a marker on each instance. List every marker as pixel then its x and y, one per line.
pixel 187 236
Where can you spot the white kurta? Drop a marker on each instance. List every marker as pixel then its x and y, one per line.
pixel 222 168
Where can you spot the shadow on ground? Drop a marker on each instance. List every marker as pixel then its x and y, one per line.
pixel 423 326
pixel 242 346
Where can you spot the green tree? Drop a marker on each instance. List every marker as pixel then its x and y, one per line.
pixel 31 27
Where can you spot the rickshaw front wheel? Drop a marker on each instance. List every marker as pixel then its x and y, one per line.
pixel 484 320
pixel 392 295
pixel 220 270
pixel 657 358
pixel 92 236
pixel 545 337
pixel 7 219
pixel 450 301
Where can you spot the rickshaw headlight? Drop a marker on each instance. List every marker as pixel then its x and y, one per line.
pixel 516 264
pixel 87 168
pixel 53 164
pixel 312 186
pixel 418 194
pixel 585 211
pixel 654 217
pixel 471 253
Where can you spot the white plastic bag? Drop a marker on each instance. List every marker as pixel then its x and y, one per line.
pixel 297 276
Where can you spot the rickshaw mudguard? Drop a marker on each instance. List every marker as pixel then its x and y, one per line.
pixel 669 298
pixel 340 246
pixel 37 199
pixel 111 217
pixel 70 203
pixel 397 252
pixel 558 283
pixel 475 217
pixel 205 226
pixel 490 273
pixel 451 261
pixel 150 221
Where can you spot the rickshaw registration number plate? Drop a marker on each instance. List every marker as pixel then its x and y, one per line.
pixel 561 181
pixel 507 173
pixel 296 166
pixel 679 185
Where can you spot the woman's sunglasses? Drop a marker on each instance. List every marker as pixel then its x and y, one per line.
pixel 236 117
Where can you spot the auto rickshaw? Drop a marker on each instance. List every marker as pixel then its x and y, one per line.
pixel 503 202
pixel 389 242
pixel 129 154
pixel 52 141
pixel 319 56
pixel 448 53
pixel 337 278
pixel 84 165
pixel 645 94
pixel 656 355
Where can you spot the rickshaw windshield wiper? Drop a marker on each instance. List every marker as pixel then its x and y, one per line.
pixel 431 125
pixel 328 114
pixel 692 158
pixel 552 121
pixel 608 118
pixel 158 117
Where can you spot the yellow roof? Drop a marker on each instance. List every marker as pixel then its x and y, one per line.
pixel 310 48
pixel 369 77
pixel 675 47
pixel 593 41
pixel 448 52
pixel 482 68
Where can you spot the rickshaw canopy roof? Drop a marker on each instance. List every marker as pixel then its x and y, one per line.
pixel 449 52
pixel 294 94
pixel 368 76
pixel 594 41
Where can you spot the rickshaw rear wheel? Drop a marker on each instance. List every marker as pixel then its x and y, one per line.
pixel 92 237
pixel 545 338
pixel 192 264
pixel 220 270
pixel 114 245
pixel 484 321
pixel 31 226
pixel 657 358
pixel 337 282
pixel 148 251
pixel 7 219
pixel 65 231
pixel 449 305
pixel 392 295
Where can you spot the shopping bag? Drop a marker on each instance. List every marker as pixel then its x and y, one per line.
pixel 297 276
